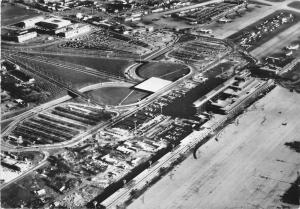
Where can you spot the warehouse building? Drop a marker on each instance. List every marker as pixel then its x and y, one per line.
pixel 153 84
pixel 53 23
pixel 29 23
pixel 20 36
pixel 75 30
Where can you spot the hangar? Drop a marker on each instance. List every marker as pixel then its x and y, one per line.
pixel 53 23
pixel 29 23
pixel 153 84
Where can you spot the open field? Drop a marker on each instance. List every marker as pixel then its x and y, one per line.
pixel 295 4
pixel 116 95
pixel 112 66
pixel 68 76
pixel 11 14
pixel 248 166
pixel 168 71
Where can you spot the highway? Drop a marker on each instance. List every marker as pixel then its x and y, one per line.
pixel 42 107
pixel 141 103
pixel 89 132
pixel 81 137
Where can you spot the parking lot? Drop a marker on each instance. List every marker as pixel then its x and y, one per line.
pixel 56 125
pixel 199 52
pixel 265 29
pixel 275 50
pixel 108 41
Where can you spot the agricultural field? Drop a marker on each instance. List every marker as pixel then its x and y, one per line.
pixel 116 95
pixel 168 71
pixel 11 14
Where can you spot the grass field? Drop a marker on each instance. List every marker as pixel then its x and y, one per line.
pixel 168 71
pixel 295 4
pixel 67 76
pixel 116 95
pixel 113 66
pixel 11 14
pixel 249 166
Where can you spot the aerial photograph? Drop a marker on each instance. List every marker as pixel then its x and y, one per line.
pixel 150 104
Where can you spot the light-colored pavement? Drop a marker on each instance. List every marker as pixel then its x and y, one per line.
pixel 248 18
pixel 277 43
pixel 249 166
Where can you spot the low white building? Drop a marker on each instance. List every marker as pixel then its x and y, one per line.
pixel 22 37
pixel 75 30
pixel 54 23
pixel 29 23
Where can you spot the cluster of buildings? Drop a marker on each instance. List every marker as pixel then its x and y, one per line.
pixel 61 5
pixel 16 86
pixel 46 25
pixel 231 94
pixel 20 36
pixel 111 6
pixel 12 164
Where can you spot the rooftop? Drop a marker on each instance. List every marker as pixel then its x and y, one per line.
pixel 153 84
